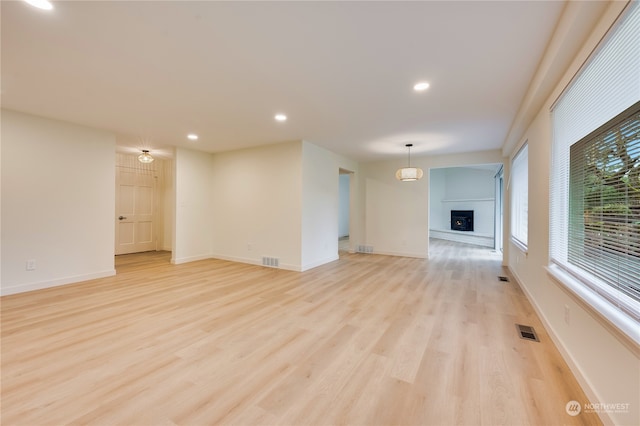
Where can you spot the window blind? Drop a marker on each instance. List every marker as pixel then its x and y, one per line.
pixel 520 196
pixel 604 203
pixel 607 85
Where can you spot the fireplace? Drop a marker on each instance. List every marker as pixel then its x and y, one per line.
pixel 462 220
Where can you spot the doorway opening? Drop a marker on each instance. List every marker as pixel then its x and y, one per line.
pixel 143 197
pixel 465 205
pixel 499 180
pixel 344 210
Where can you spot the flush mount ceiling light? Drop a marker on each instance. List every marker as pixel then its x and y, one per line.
pixel 407 174
pixel 40 4
pixel 281 117
pixel 145 157
pixel 192 137
pixel 421 86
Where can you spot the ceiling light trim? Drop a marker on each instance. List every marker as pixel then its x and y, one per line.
pixel 40 4
pixel 421 86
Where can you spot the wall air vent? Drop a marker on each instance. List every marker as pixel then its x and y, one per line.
pixel 272 262
pixel 503 278
pixel 364 249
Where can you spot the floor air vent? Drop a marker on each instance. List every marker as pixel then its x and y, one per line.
pixel 505 279
pixel 527 332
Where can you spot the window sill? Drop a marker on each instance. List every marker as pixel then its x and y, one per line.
pixel 623 325
pixel 520 246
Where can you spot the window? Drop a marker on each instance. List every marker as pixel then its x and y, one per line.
pixel 594 202
pixel 604 203
pixel 520 197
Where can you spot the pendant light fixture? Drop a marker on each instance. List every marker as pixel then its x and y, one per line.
pixel 407 174
pixel 145 157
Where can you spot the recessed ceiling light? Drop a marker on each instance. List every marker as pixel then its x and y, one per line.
pixel 192 137
pixel 419 87
pixel 40 4
pixel 281 117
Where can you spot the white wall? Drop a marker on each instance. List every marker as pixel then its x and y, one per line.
pixel 168 203
pixel 257 204
pixel 58 202
pixel 277 201
pixel 469 182
pixel 320 204
pixel 394 214
pixel 604 361
pixel 194 213
pixel 437 187
pixel 343 205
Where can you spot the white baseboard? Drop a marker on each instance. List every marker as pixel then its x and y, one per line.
pixel 22 288
pixel 257 262
pixel 577 372
pixel 401 254
pixel 188 259
pixel 319 263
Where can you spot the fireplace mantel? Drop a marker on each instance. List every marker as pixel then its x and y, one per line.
pixel 457 200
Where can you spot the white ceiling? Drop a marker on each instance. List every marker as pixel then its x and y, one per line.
pixel 343 72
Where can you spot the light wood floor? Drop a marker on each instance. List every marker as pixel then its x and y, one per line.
pixel 365 340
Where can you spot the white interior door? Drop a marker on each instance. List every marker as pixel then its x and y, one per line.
pixel 135 231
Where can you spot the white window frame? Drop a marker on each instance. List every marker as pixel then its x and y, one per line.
pixel 607 85
pixel 520 198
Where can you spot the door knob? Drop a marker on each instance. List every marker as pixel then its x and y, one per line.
pixel 121 217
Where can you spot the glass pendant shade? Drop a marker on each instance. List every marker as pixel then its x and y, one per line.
pixel 407 174
pixel 145 157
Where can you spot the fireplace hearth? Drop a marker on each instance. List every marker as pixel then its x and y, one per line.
pixel 462 220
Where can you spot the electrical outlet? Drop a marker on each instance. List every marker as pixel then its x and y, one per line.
pixel 249 246
pixel 31 265
pixel 567 314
